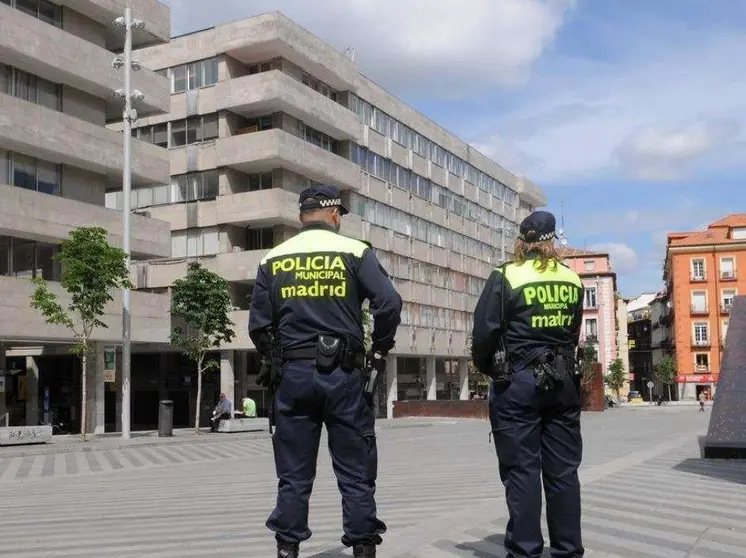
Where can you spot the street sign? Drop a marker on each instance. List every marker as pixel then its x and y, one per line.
pixel 650 385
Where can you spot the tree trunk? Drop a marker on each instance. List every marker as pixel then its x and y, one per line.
pixel 668 387
pixel 199 397
pixel 84 406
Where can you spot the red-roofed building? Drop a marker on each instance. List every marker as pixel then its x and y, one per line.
pixel 603 310
pixel 701 273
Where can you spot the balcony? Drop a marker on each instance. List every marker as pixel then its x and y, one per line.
pixel 275 91
pixel 698 278
pixel 725 307
pixel 151 321
pixel 61 57
pixel 701 342
pixel 47 218
pixel 728 276
pixel 699 310
pixel 232 266
pixel 40 132
pixel 263 151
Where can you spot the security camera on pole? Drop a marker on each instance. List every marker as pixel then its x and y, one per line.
pixel 129 116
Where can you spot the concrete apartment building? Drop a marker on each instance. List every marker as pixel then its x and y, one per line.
pixel 604 311
pixel 701 275
pixel 261 109
pixel 57 160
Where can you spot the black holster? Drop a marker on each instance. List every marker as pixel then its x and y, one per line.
pixel 332 352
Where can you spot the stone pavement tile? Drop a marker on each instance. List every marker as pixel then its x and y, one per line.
pixel 438 491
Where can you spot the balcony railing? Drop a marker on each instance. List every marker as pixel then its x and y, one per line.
pixel 727 275
pixel 725 307
pixel 591 338
pixel 700 310
pixel 698 277
pixel 700 342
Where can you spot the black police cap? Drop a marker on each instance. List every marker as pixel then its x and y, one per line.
pixel 538 226
pixel 321 197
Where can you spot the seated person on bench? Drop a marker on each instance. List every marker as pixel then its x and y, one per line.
pixel 222 411
pixel 249 408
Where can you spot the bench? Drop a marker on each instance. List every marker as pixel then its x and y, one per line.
pixel 242 425
pixel 25 435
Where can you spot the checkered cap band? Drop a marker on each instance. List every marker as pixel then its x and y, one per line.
pixel 541 237
pixel 322 203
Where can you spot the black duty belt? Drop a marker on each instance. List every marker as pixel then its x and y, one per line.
pixel 309 353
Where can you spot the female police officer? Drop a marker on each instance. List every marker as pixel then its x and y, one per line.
pixel 531 309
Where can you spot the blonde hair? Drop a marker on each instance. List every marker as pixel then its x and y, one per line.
pixel 546 253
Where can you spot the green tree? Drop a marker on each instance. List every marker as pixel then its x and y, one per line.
pixel 616 377
pixel 91 269
pixel 367 326
pixel 588 365
pixel 200 303
pixel 665 373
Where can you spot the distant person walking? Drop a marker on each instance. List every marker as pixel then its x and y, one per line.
pixel 702 401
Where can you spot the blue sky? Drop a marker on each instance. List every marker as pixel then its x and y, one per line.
pixel 629 113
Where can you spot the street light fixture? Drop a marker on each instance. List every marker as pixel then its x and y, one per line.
pixel 129 115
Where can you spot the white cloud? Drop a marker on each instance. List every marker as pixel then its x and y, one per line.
pixel 663 152
pixel 432 46
pixel 663 112
pixel 624 259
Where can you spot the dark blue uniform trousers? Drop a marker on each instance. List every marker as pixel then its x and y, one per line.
pixel 304 401
pixel 537 436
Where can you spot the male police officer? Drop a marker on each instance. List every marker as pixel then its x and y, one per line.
pixel 533 308
pixel 310 289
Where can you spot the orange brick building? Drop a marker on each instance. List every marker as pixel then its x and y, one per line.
pixel 703 271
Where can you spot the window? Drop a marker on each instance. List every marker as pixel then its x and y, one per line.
pixel 727 268
pixel 702 361
pixel 725 328
pixel 24 172
pixel 738 233
pixel 29 87
pixel 41 9
pixel 591 329
pixel 311 135
pixel 701 334
pixel 195 186
pixel 589 265
pixel 25 258
pixel 4 167
pixel 728 296
pixel 194 129
pixel 259 239
pixel 261 181
pixel 48 178
pixel 590 298
pixel 195 242
pixel 699 301
pixel 193 75
pixel 698 270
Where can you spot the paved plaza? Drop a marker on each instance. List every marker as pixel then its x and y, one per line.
pixel 645 493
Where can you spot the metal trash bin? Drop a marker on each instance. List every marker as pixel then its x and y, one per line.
pixel 166 418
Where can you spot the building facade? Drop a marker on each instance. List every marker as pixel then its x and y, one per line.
pixel 603 309
pixel 57 161
pixel 701 275
pixel 640 334
pixel 260 109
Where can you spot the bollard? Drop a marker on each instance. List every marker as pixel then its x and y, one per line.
pixel 166 418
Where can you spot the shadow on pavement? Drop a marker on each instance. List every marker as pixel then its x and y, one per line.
pixel 490 547
pixel 730 470
pixel 335 553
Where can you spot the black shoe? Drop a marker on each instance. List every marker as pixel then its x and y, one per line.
pixel 287 550
pixel 364 551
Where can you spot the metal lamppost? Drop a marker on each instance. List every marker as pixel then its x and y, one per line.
pixel 129 116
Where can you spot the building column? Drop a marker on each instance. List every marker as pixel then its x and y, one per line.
pixel 241 359
pixel 430 380
pixel 32 391
pixel 163 362
pixel 95 417
pixel 463 377
pixel 118 391
pixel 227 376
pixel 392 388
pixel 3 385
